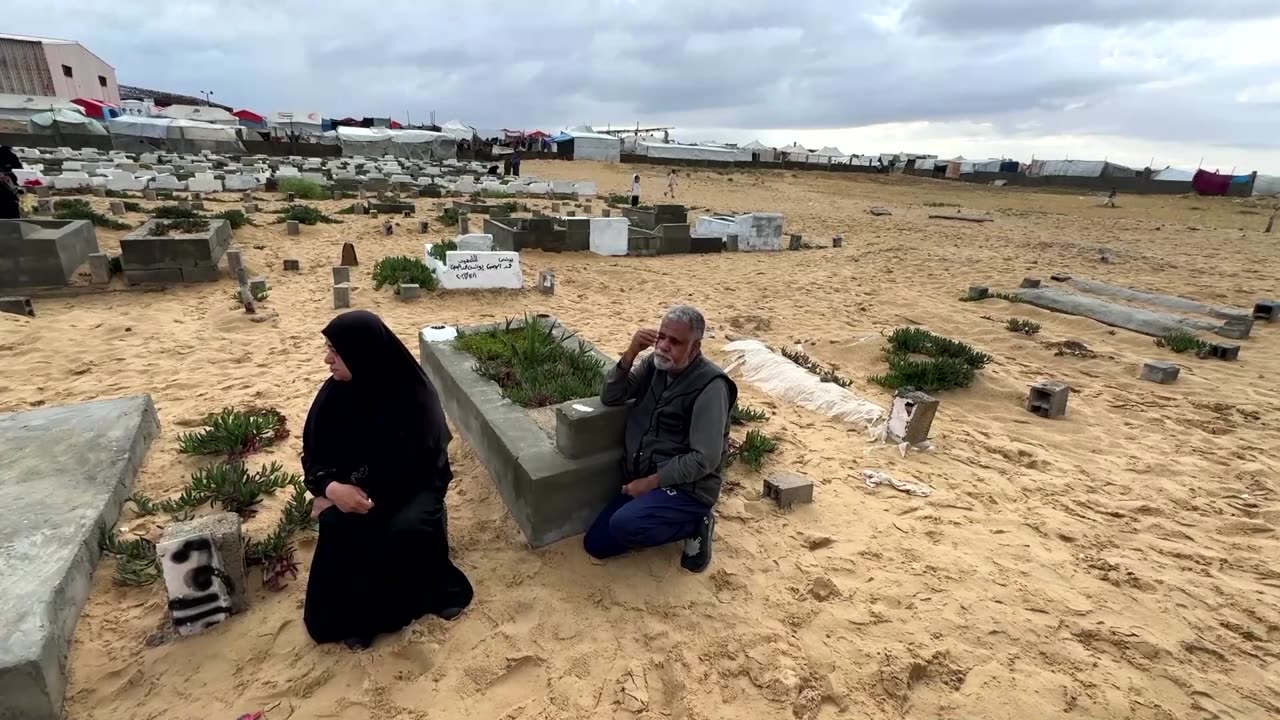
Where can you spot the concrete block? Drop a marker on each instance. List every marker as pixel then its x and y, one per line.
pixel 149 195
pixel 1159 371
pixel 158 275
pixel 258 285
pixel 202 562
pixel 731 243
pixel 341 274
pixel 1266 310
pixel 293 227
pixel 606 212
pixel 482 242
pixel 66 473
pixel 116 208
pixel 200 274
pixel 979 292
pixel 1030 282
pixel 423 227
pixel 408 291
pixel 17 306
pixel 546 282
pixel 42 252
pixel 250 208
pixel 292 265
pixel 797 242
pixel 197 205
pixel 291 197
pixel 242 276
pixel 100 191
pixel 1060 277
pixel 641 218
pixel 464 224
pixel 837 241
pixel 1235 328
pixel 587 427
pixel 1048 399
pixel 349 255
pixel 235 262
pixel 1221 351
pixel 911 415
pixel 387 228
pixel 341 295
pixel 100 268
pixel 359 209
pixel 787 490
pixel 44 206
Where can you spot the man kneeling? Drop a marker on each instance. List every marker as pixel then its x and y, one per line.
pixel 676 441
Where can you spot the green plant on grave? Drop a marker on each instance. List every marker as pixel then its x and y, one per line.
pixel 752 450
pixel 1181 341
pixel 532 364
pixel 395 270
pixel 79 209
pixel 824 373
pixel 235 433
pixel 1005 297
pixel 275 552
pixel 912 340
pixel 740 415
pixel 133 207
pixel 136 563
pixel 259 293
pixel 930 374
pixel 1021 325
pixel 304 214
pixel 235 218
pixel 617 199
pixel 448 216
pixel 508 207
pixel 186 226
pixel 303 189
pixel 439 249
pixel 228 485
pixel 174 212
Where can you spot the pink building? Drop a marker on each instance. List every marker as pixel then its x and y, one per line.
pixel 54 68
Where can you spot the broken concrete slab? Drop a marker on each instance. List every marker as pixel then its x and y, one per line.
pixel 1170 302
pixel 66 473
pixel 911 416
pixel 1146 322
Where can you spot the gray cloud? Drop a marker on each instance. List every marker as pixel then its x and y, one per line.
pixel 949 16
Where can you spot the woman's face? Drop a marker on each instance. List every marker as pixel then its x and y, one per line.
pixel 337 368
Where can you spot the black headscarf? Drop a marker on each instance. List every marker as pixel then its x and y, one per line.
pixel 382 424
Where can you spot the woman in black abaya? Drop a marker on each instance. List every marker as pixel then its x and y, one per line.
pixel 375 454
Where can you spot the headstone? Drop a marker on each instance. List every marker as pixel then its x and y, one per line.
pixel 100 268
pixel 17 306
pixel 1030 282
pixel 235 262
pixel 349 255
pixel 373 213
pixel 242 278
pixel 293 227
pixel 44 206
pixel 546 282
pixel 149 195
pixel 117 208
pixel 555 207
pixel 464 224
pixel 837 241
pixel 202 562
pixel 731 243
pixel 797 242
pixel 250 208
pixel 341 295
pixel 100 192
pixel 292 265
pixel 387 228
pixel 337 194
pixel 197 205
pixel 423 227
pixel 605 212
pixel 246 196
pixel 409 291
pixel 979 292
pixel 910 416
pixel 477 270
pixel 358 208
pixel 258 286
pixel 1048 399
pixel 45 191
pixel 341 274
pixel 572 213
pixel 787 490
pixel 184 204
pixel 1159 371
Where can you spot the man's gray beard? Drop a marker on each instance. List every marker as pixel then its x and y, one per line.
pixel 662 363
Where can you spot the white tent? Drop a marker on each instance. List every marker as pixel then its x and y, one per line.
pixel 215 115
pixel 22 107
pixel 64 121
pixel 143 134
pixel 794 152
pixel 459 130
pixel 1079 168
pixel 1267 185
pixel 284 122
pixel 693 152
pixel 1175 174
pixel 589 145
pixel 766 153
pixel 414 144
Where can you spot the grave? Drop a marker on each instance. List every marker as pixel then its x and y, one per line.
pixel 1159 371
pixel 341 295
pixel 175 256
pixel 643 218
pixel 755 231
pixel 787 490
pixel 607 236
pixel 38 252
pixel 477 270
pixel 1048 399
pixel 1268 310
pixel 553 488
pixel 910 416
pixel 204 182
pixel 1139 320
pixel 66 474
pixel 673 239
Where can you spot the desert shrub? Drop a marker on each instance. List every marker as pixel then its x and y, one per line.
pixel 235 433
pixel 825 374
pixel 303 189
pixel 1181 341
pixel 448 216
pixel 235 218
pixel 439 249
pixel 618 199
pixel 947 363
pixel 174 212
pixel 394 270
pixel 135 558
pixel 79 209
pixel 1021 325
pixel 185 226
pixel 532 365
pixel 740 415
pixel 229 485
pixel 753 449
pixel 305 214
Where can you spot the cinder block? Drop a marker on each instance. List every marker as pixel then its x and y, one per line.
pixel 100 268
pixel 1060 277
pixel 258 285
pixel 341 274
pixel 292 265
pixel 546 282
pixel 292 197
pixel 1268 310
pixel 1159 371
pixel 979 292
pixel 409 291
pixel 17 306
pixel 423 227
pixel 117 208
pixel 387 228
pixel 341 295
pixel 235 262
pixel 337 195
pixel 1048 399
pixel 606 212
pixel 203 273
pixel 911 415
pixel 197 205
pixel 837 241
pixel 787 490
pixel 1030 282
pixel 293 227
pixel 797 242
pixel 358 208
pixel 250 208
pixel 586 427
pixel 408 214
pixel 202 561
pixel 1221 351
pixel 1236 329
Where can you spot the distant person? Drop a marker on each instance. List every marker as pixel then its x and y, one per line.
pixel 635 191
pixel 375 452
pixel 671 185
pixel 1111 199
pixel 515 163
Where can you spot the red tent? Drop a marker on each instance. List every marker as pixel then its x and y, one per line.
pixel 250 116
pixel 97 109
pixel 395 125
pixel 537 135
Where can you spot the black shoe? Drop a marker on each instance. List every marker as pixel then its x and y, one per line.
pixel 449 613
pixel 359 642
pixel 697 549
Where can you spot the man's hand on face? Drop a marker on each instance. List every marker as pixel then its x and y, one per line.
pixel 641 341
pixel 636 488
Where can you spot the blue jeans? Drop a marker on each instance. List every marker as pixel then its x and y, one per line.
pixel 656 518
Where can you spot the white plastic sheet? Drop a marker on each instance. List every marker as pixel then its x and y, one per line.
pixel 784 379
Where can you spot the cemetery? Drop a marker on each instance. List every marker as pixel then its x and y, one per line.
pixel 43 252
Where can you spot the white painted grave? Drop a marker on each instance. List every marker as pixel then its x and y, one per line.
pixel 585 189
pixel 167 182
pixel 755 231
pixel 71 180
pixel 471 270
pixel 204 182
pixel 241 182
pixel 475 241
pixel 609 235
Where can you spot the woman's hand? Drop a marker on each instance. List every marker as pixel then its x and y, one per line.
pixel 318 506
pixel 348 498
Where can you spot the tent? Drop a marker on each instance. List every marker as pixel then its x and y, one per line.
pixel 1174 174
pixel 285 123
pixel 1267 185
pixel 215 115
pixel 764 152
pixel 64 122
pixel 22 107
pixel 459 130
pixel 250 119
pixel 693 152
pixel 794 152
pixel 98 109
pixel 412 144
pixel 1079 168
pixel 582 145
pixel 142 134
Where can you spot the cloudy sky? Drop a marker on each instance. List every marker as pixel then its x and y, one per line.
pixel 1131 80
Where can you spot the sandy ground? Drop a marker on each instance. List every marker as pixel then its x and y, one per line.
pixel 1120 563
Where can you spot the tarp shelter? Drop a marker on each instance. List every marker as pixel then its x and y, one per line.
pixel 209 114
pixel 1210 183
pixel 64 122
pixel 250 119
pixel 16 110
pixel 411 144
pixel 1267 185
pixel 1175 175
pixel 284 123
pixel 760 151
pixel 459 130
pixel 140 134
pixel 1079 168
pixel 693 152
pixel 582 145
pixel 794 152
pixel 97 109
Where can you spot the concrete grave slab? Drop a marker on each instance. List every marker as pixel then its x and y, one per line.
pixel 477 270
pixel 608 236
pixel 1139 320
pixel 193 256
pixel 475 242
pixel 66 473
pixel 37 252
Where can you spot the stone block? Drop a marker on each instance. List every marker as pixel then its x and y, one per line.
pixel 787 490
pixel 546 282
pixel 200 274
pixel 797 242
pixel 837 241
pixel 293 227
pixel 1221 351
pixel 100 192
pixel 423 227
pixel 1159 371
pixel 349 255
pixel 116 208
pixel 202 562
pixel 341 274
pixel 1235 328
pixel 100 268
pixel 979 292
pixel 1048 399
pixel 140 250
pixel 292 265
pixel 1030 282
pixel 258 285
pixel 41 252
pixel 408 291
pixel 197 205
pixel 910 416
pixel 235 262
pixel 1266 310
pixel 588 427
pixel 341 295
pixel 464 224
pixel 149 195
pixel 250 208
pixel 158 275
pixel 482 242
pixel 66 473
pixel 17 306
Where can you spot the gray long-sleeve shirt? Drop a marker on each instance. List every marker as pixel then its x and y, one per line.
pixel 706 426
